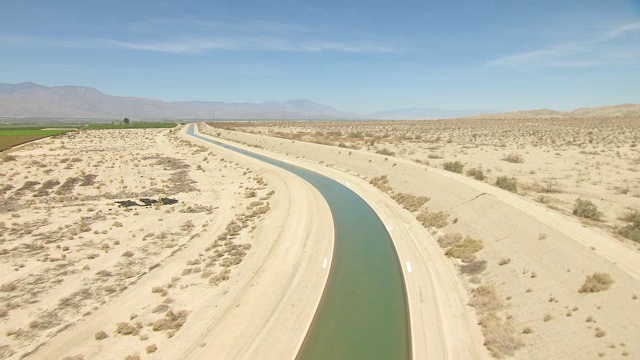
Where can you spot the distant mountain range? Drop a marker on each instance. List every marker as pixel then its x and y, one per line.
pixel 37 101
pixel 33 100
pixel 425 113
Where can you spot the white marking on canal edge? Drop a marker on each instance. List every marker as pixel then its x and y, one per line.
pixel 346 183
pixel 324 263
pixel 409 269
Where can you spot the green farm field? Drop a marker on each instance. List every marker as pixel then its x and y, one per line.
pixel 134 125
pixel 10 137
pixel 14 135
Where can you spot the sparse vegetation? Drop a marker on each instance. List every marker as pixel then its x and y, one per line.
pixel 449 239
pixel 499 334
pixel 474 267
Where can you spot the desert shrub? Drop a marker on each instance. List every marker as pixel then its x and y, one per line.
pixel 220 277
pixel 171 321
pixel 586 209
pixel 500 336
pixel 381 182
pixel 151 348
pixel 410 202
pixel 476 173
pixel 449 239
pixel 159 290
pixel 504 261
pixel 88 180
pixel 453 166
pixel 100 335
pixel 631 231
pixel 134 356
pixel 125 328
pixel 67 187
pixel 513 158
pixel 161 308
pixel 474 267
pixel 550 186
pixel 485 299
pixel 506 183
pixel 465 250
pixel 386 151
pixel 433 219
pixel 596 283
pixel 28 185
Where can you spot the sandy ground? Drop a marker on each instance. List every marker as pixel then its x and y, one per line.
pixel 215 275
pixel 521 258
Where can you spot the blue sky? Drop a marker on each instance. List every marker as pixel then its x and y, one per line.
pixel 356 55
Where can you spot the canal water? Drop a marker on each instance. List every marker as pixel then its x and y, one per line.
pixel 363 311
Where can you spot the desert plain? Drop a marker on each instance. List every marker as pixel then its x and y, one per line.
pixel 522 235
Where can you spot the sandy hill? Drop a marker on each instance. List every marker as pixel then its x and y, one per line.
pixel 624 110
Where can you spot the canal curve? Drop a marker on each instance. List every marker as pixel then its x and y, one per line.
pixel 363 313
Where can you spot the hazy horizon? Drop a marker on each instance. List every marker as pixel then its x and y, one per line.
pixel 501 56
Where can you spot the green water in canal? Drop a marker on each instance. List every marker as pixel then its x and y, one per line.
pixel 363 311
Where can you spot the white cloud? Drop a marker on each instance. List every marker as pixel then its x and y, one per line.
pixel 193 45
pixel 182 46
pixel 618 32
pixel 578 54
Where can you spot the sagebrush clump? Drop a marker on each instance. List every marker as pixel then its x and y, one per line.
pixel 586 209
pixel 465 250
pixel 453 166
pixel 596 283
pixel 476 173
pixel 507 183
pixel 632 230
